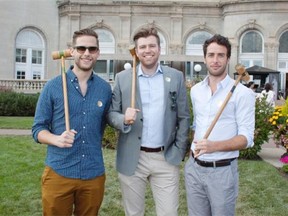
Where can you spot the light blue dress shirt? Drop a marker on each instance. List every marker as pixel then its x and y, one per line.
pixel 238 117
pixel 152 98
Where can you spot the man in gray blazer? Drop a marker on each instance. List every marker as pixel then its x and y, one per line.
pixel 153 136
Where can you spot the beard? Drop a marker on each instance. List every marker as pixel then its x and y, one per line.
pixel 85 67
pixel 217 73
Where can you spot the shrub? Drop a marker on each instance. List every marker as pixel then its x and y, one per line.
pixel 17 104
pixel 263 112
pixel 110 138
pixel 285 168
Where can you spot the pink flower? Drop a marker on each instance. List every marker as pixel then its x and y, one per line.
pixel 284 159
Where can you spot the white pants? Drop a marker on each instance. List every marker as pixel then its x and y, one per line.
pixel 164 181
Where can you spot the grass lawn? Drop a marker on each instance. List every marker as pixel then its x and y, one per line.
pixel 9 122
pixel 263 190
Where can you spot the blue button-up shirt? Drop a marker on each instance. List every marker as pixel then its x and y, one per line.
pixel 87 116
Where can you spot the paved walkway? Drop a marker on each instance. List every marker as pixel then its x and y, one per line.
pixel 269 152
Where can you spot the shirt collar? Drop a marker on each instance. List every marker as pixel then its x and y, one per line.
pixel 71 75
pixel 223 82
pixel 158 71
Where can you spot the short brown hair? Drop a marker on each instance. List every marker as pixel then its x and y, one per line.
pixel 146 32
pixel 220 40
pixel 85 32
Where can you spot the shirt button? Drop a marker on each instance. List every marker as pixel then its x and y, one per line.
pixel 76 87
pixel 84 127
pixel 83 141
pixel 83 156
pixel 84 113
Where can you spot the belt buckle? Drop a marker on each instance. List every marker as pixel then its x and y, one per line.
pixel 214 164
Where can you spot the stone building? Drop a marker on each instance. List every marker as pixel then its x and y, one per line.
pixel 32 29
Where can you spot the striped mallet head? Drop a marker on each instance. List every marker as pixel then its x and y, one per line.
pixel 59 54
pixel 242 72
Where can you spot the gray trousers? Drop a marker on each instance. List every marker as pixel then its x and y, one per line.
pixel 211 191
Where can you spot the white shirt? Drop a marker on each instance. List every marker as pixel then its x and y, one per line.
pixel 238 117
pixel 270 97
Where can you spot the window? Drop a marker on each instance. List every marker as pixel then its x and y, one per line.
pixel 162 43
pixel 282 64
pixel 194 47
pixel 105 68
pixel 194 43
pixel 29 54
pixel 252 43
pixel 283 43
pixel 106 41
pixel 283 53
pixel 20 74
pixel 36 75
pixel 251 49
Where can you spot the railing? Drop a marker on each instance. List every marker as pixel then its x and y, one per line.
pixel 25 86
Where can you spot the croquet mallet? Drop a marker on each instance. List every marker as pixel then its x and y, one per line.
pixel 62 55
pixel 133 84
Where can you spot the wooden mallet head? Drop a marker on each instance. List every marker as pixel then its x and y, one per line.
pixel 242 72
pixel 133 51
pixel 59 54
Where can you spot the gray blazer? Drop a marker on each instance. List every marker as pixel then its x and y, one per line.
pixel 176 125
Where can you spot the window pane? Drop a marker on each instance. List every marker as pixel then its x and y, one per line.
pixel 21 55
pixel 283 43
pixel 252 43
pixel 245 63
pixel 36 75
pixel 199 37
pixel 282 64
pixel 36 57
pixel 101 66
pixel 258 62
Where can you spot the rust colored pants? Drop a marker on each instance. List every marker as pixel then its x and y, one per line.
pixel 64 196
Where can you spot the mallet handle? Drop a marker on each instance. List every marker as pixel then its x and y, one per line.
pixel 64 84
pixel 218 114
pixel 133 84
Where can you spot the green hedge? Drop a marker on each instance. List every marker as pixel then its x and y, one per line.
pixel 17 104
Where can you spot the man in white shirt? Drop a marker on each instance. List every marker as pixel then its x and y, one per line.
pixel 211 173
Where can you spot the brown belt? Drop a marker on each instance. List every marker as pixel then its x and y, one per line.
pixel 146 149
pixel 219 163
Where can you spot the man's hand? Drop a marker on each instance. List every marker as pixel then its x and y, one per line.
pixel 66 139
pixel 203 146
pixel 130 115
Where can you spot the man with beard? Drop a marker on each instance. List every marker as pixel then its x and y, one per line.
pixel 153 135
pixel 74 176
pixel 211 173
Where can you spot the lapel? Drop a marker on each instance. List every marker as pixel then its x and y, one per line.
pixel 167 85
